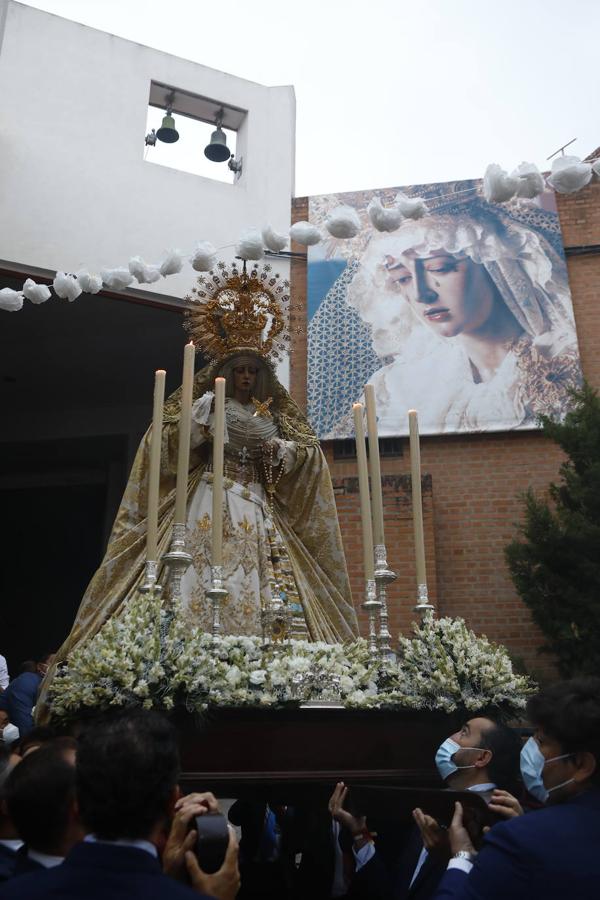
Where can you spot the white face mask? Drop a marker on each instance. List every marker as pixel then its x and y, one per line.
pixel 532 766
pixel 444 757
pixel 10 733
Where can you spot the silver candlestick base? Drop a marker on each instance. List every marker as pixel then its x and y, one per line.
pixel 383 577
pixel 216 595
pixel 372 606
pixel 423 604
pixel 178 560
pixel 150 578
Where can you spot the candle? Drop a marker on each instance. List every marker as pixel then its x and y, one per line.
pixel 374 466
pixel 217 487
pixel 154 473
pixel 185 420
pixel 363 486
pixel 417 502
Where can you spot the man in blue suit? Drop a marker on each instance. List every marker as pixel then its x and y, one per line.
pixel 20 696
pixel 126 779
pixel 551 853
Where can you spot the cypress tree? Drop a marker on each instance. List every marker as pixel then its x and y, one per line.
pixel 555 562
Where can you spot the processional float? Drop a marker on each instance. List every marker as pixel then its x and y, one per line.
pixel 377 573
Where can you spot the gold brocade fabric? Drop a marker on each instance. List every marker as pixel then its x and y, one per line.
pixel 304 513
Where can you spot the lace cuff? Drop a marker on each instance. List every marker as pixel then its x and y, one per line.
pixel 285 453
pixel 203 419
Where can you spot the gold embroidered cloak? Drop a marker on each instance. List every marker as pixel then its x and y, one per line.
pixel 303 509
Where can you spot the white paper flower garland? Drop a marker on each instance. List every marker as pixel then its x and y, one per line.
pixel 569 174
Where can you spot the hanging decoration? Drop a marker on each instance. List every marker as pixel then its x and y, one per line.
pixel 569 174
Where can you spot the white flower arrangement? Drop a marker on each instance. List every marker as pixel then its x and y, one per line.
pixel 447 666
pixel 153 658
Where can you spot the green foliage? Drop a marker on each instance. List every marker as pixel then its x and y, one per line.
pixel 555 564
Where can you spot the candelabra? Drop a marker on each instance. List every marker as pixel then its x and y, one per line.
pixel 423 604
pixel 216 595
pixel 178 560
pixel 383 577
pixel 372 606
pixel 150 578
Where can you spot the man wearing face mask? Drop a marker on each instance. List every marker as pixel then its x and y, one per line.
pixel 483 756
pixel 552 852
pixel 20 696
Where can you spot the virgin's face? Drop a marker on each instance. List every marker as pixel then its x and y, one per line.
pixel 244 378
pixel 452 295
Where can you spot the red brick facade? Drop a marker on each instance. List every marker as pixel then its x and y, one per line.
pixel 471 483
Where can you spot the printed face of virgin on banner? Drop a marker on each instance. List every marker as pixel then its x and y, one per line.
pixel 464 315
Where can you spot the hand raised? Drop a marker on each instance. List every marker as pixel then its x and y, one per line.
pixel 223 884
pixel 180 838
pixel 505 805
pixel 458 834
pixel 435 838
pixel 354 824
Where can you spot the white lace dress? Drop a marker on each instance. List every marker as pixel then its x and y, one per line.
pixel 255 561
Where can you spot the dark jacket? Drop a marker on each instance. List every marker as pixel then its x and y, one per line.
pixel 550 853
pixel 99 872
pixel 8 861
pixel 19 698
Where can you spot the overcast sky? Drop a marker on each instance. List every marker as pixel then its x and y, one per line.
pixel 390 92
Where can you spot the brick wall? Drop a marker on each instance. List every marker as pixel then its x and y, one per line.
pixel 471 483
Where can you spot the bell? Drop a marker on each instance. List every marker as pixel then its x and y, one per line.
pixel 217 150
pixel 167 131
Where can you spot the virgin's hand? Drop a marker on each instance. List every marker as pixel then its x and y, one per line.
pixel 435 838
pixel 354 824
pixel 458 834
pixel 505 805
pixel 225 883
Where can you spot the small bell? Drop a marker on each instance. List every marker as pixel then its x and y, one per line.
pixel 217 150
pixel 167 131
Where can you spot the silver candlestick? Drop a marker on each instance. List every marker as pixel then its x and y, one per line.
pixel 423 604
pixel 216 595
pixel 178 560
pixel 372 606
pixel 150 578
pixel 383 577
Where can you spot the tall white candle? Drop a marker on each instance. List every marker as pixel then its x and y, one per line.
pixel 374 466
pixel 217 497
pixel 417 500
pixel 185 421
pixel 154 473
pixel 363 486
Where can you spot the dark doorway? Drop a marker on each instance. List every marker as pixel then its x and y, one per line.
pixel 76 383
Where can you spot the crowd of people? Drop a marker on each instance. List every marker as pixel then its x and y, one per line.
pixel 102 815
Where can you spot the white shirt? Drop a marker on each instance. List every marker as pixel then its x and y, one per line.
pixel 47 860
pixel 11 843
pixel 367 852
pixel 4 679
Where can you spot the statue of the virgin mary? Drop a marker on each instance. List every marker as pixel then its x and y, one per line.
pixel 281 533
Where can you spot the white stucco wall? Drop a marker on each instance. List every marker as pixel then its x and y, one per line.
pixel 74 188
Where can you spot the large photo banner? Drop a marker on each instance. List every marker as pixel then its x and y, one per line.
pixel 464 314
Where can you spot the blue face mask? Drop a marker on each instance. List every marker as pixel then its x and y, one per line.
pixel 443 758
pixel 532 766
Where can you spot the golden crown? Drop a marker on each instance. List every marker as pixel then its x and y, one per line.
pixel 233 309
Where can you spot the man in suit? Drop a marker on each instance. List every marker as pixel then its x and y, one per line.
pixel 552 852
pixel 483 756
pixel 127 794
pixel 40 800
pixel 20 696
